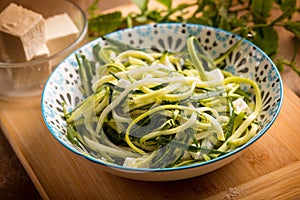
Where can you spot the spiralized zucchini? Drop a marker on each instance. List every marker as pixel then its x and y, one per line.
pixel 157 110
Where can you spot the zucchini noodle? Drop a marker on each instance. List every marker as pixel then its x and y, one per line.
pixel 157 110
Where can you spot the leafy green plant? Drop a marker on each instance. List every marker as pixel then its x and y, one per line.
pixel 247 18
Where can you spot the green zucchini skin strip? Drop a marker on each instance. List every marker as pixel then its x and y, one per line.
pixel 163 107
pixel 251 117
pixel 196 113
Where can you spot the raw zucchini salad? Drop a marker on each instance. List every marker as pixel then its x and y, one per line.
pixel 151 109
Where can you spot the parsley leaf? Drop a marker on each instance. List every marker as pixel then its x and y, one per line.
pixel 243 17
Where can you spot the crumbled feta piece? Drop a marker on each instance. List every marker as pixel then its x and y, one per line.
pixel 206 144
pixel 136 162
pixel 223 119
pixel 22 33
pixel 196 155
pixel 239 105
pixel 215 75
pixel 60 32
pixel 129 162
pixel 186 155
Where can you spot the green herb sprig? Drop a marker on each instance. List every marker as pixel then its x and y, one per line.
pixel 247 18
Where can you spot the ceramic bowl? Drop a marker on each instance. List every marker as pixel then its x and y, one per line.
pixel 24 80
pixel 247 61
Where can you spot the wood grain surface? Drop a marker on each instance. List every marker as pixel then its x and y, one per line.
pixel 269 169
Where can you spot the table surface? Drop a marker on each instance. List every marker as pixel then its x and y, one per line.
pixel 269 169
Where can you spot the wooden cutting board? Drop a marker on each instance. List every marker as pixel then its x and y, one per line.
pixel 269 169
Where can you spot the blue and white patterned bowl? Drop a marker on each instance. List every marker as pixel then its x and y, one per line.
pixel 247 61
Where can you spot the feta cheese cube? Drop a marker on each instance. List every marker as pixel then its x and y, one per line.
pixel 196 155
pixel 136 162
pixel 129 162
pixel 215 75
pixel 239 105
pixel 60 32
pixel 22 33
pixel 186 155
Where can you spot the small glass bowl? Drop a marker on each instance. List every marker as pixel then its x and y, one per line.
pixel 21 81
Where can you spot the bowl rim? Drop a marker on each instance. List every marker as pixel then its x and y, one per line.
pixel 78 39
pixel 169 169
